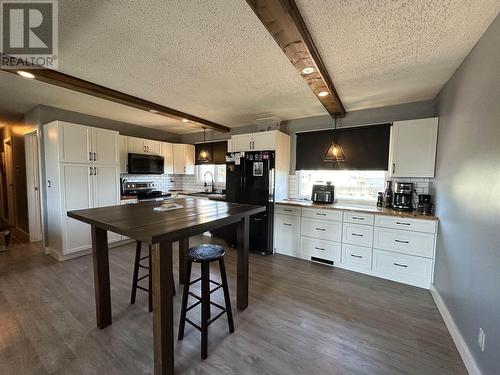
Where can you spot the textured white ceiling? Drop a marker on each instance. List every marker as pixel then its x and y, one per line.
pixel 214 59
pixel 387 52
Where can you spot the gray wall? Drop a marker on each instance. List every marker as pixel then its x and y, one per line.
pixel 467 188
pixel 373 116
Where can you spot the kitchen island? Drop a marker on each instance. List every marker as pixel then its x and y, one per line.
pixel 160 228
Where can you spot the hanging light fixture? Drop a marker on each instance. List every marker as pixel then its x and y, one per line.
pixel 335 153
pixel 204 155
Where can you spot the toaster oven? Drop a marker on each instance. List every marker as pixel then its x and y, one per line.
pixel 323 193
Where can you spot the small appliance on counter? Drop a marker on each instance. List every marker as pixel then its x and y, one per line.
pixel 380 199
pixel 403 194
pixel 323 193
pixel 144 191
pixel 388 195
pixel 425 207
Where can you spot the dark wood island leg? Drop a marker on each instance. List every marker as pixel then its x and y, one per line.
pixel 101 276
pixel 163 312
pixel 183 247
pixel 243 235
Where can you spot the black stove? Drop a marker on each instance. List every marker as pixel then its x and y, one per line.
pixel 143 190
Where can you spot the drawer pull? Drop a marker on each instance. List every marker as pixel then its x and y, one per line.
pixel 358 218
pixel 400 265
pixel 402 241
pixel 356 256
pixel 357 234
pixel 320 214
pixel 321 229
pixel 287 224
pixel 287 210
pixel 319 248
pixel 400 223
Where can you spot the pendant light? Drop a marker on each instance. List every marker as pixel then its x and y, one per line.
pixel 204 156
pixel 335 153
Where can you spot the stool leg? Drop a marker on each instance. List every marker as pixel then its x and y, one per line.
pixel 205 307
pixel 136 271
pixel 150 282
pixel 185 295
pixel 227 300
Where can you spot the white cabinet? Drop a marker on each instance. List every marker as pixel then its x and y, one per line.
pixel 321 250
pixel 183 155
pixel 261 141
pixel 322 229
pixel 168 157
pixel 123 153
pixel 287 234
pixel 86 182
pixel 143 146
pixel 357 257
pixel 413 148
pixel 358 234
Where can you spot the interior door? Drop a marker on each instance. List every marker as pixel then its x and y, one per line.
pixel 105 146
pixel 76 189
pixel 264 141
pixel 33 187
pixel 9 177
pixel 75 143
pixel 136 145
pixel 106 191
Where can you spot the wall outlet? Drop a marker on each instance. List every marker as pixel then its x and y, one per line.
pixel 481 339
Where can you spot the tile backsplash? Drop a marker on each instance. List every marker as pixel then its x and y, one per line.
pixel 165 182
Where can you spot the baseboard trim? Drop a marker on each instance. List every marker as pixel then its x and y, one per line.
pixel 61 258
pixel 463 349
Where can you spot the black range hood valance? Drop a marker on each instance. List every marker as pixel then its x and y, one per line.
pixel 365 148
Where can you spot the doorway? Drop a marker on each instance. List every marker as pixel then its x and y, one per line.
pixel 10 212
pixel 33 185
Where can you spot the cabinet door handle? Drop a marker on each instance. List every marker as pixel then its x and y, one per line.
pixel 95 171
pixel 90 156
pixel 144 148
pixel 400 241
pixel 358 218
pixel 95 156
pixel 356 256
pixel 400 223
pixel 253 145
pixel 320 214
pixel 393 167
pixel 319 248
pixel 287 224
pixel 49 183
pixel 321 229
pixel 357 234
pixel 400 265
pixel 90 173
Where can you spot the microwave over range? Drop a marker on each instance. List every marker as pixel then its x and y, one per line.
pixel 145 164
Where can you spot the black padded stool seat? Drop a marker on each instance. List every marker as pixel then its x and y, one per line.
pixel 205 253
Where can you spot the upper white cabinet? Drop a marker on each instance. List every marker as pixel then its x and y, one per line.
pixel 84 144
pixel 123 153
pixel 183 156
pixel 168 157
pixel 143 146
pixel 413 148
pixel 261 141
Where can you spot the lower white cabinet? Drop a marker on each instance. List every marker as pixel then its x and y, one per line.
pixel 391 247
pixel 357 257
pixel 287 234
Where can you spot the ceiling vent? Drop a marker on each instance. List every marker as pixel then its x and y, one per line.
pixel 268 123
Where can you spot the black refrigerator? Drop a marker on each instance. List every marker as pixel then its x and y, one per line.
pixel 250 179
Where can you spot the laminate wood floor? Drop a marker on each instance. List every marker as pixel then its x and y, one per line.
pixel 303 318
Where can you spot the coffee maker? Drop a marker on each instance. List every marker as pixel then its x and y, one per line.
pixel 425 207
pixel 403 194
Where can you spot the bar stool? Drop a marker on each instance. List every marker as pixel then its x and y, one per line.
pixel 205 254
pixel 136 278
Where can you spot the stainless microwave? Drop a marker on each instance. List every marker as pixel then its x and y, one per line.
pixel 145 164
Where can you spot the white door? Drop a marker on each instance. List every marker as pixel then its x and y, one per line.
pixel 123 153
pixel 76 189
pixel 11 189
pixel 75 143
pixel 413 148
pixel 242 142
pixel 152 147
pixel 33 187
pixel 168 155
pixel 136 145
pixel 264 141
pixel 105 146
pixel 106 191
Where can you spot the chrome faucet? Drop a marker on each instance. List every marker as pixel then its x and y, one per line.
pixel 205 184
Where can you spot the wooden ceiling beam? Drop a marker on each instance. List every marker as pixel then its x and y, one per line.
pixel 66 81
pixel 283 21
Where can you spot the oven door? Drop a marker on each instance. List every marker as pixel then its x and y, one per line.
pixel 145 164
